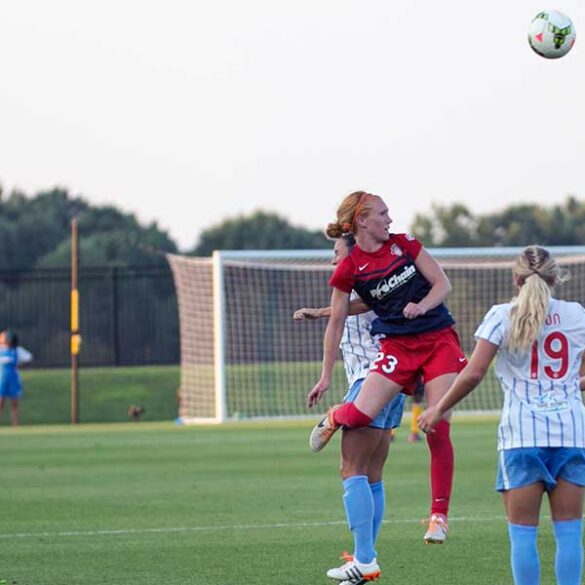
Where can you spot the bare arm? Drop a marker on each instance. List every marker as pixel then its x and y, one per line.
pixel 23 356
pixel 582 374
pixel 466 381
pixel 331 339
pixel 440 286
pixel 356 307
pixel 311 313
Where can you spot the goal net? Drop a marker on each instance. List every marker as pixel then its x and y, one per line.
pixel 243 356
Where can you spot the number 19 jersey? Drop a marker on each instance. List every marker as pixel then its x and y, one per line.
pixel 542 400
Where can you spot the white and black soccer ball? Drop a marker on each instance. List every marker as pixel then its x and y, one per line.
pixel 552 34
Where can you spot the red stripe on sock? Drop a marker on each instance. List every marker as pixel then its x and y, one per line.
pixel 349 416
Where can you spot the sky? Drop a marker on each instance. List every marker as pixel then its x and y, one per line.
pixel 189 112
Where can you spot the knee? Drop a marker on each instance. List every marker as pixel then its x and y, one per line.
pixel 375 475
pixel 345 469
pixel 351 468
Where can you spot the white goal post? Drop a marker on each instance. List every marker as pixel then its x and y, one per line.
pixel 243 356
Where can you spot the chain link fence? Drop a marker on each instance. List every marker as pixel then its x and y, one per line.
pixel 128 315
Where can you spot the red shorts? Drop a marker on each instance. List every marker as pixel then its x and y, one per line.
pixel 404 358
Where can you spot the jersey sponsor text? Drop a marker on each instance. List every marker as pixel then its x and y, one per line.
pixel 386 287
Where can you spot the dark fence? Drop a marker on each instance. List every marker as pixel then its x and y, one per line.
pixel 128 316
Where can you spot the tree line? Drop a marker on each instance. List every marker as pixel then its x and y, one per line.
pixel 516 225
pixel 35 231
pixel 452 225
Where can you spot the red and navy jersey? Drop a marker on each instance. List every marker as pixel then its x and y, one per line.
pixel 387 280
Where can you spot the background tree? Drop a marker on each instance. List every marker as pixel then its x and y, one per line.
pixel 258 231
pixel 452 226
pixel 35 232
pixel 128 304
pixel 515 225
pixel 518 225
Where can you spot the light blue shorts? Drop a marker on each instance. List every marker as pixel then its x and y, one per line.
pixel 389 417
pixel 525 466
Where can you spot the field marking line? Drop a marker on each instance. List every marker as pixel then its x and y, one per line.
pixel 277 525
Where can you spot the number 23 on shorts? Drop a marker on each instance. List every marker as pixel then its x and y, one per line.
pixel 385 362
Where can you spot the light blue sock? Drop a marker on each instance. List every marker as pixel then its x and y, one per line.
pixel 379 497
pixel 524 554
pixel 569 556
pixel 359 509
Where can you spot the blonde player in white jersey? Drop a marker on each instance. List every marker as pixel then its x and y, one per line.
pixel 539 342
pixel 364 450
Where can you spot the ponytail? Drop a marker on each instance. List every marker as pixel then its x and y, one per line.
pixel 354 205
pixel 528 313
pixel 536 273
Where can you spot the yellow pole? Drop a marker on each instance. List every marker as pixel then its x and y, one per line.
pixel 75 337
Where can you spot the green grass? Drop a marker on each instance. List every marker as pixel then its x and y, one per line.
pixel 272 389
pixel 156 503
pixel 104 394
pixel 260 389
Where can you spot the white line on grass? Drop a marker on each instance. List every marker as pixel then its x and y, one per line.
pixel 170 530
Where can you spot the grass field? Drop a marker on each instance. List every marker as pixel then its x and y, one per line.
pixel 264 389
pixel 156 503
pixel 104 394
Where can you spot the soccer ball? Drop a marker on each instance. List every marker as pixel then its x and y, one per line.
pixel 552 34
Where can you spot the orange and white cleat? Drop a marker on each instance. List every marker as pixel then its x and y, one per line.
pixel 323 431
pixel 437 529
pixel 354 572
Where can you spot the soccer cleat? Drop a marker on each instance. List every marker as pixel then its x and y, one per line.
pixel 323 431
pixel 355 572
pixel 437 530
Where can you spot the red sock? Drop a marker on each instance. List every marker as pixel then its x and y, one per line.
pixel 442 467
pixel 349 416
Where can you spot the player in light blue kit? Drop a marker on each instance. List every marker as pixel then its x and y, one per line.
pixel 363 450
pixel 539 342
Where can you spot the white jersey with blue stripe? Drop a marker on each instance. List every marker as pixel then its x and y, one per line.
pixel 357 345
pixel 542 406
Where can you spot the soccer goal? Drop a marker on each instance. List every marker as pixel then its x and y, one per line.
pixel 243 356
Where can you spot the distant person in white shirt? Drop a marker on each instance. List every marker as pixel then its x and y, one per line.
pixel 539 343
